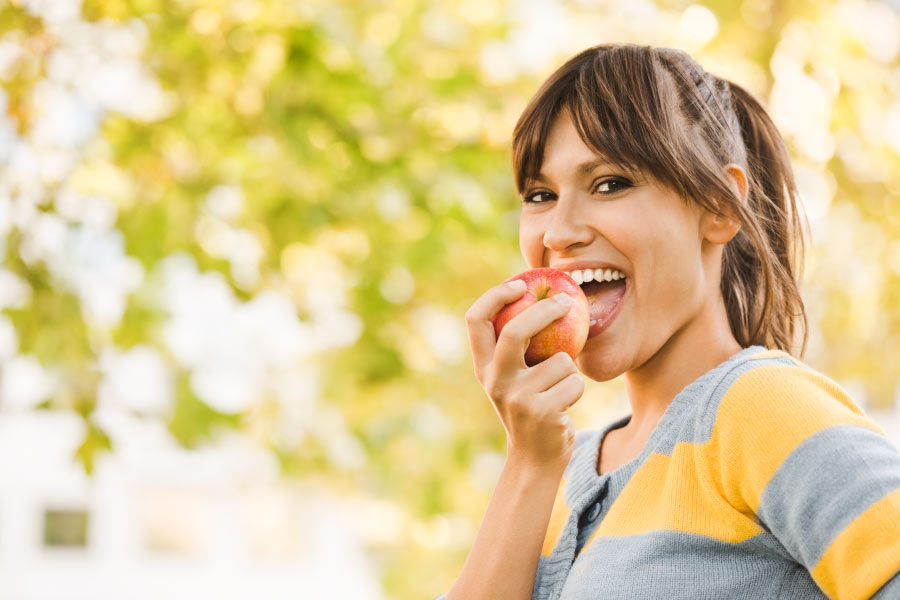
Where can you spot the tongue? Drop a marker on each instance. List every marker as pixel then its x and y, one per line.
pixel 603 297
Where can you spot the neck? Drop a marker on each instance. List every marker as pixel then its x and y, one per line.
pixel 699 347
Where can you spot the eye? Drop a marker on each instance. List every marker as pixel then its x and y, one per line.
pixel 532 198
pixel 612 185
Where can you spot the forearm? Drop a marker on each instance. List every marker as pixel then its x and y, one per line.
pixel 504 557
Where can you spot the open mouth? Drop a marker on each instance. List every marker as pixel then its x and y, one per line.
pixel 603 297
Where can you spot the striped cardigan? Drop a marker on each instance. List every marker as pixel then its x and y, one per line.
pixel 762 479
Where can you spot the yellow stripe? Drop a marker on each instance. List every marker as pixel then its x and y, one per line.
pixel 666 493
pixel 862 558
pixel 558 517
pixel 683 493
pixel 763 417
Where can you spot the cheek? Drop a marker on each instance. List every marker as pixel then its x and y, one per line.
pixel 658 251
pixel 679 258
pixel 531 243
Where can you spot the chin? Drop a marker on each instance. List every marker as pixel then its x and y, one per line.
pixel 600 367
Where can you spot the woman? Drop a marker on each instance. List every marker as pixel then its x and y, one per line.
pixel 740 472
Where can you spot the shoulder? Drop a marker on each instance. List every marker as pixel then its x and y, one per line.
pixel 771 389
pixel 774 414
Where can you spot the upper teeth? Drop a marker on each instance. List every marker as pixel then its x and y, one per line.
pixel 584 275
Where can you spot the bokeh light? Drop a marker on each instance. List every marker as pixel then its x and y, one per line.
pixel 239 239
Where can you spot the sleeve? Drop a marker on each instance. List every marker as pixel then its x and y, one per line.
pixel 792 449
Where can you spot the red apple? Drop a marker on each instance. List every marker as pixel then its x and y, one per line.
pixel 568 333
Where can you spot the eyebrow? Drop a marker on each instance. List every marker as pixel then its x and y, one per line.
pixel 582 169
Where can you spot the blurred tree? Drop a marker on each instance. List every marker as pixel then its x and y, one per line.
pixel 284 209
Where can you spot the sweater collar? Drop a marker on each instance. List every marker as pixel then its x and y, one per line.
pixel 582 478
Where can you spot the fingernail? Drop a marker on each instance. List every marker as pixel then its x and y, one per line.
pixel 517 284
pixel 563 298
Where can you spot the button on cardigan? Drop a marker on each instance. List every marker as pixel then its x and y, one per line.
pixel 763 479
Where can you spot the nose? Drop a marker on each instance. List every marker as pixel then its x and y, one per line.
pixel 566 227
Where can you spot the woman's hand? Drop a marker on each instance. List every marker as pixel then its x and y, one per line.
pixel 531 401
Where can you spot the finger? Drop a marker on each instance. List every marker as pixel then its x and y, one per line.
pixel 517 333
pixel 482 339
pixel 548 373
pixel 564 394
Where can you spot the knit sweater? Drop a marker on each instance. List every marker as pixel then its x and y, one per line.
pixel 763 479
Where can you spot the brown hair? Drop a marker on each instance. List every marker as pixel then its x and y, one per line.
pixel 657 111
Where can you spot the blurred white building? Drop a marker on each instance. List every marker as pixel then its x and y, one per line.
pixel 157 521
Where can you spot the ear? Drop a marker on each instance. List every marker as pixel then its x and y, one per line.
pixel 738 180
pixel 720 229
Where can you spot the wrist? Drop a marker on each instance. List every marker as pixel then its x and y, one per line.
pixel 529 467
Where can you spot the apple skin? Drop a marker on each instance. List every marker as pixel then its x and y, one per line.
pixel 568 333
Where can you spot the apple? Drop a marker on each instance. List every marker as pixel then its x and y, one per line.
pixel 568 333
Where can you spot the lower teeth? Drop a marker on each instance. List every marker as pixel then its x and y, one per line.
pixel 594 322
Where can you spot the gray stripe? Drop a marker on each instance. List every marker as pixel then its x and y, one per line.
pixel 680 423
pixel 677 565
pixel 810 499
pixel 581 471
pixel 698 429
pixel 695 429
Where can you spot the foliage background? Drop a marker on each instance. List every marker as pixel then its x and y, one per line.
pixel 269 217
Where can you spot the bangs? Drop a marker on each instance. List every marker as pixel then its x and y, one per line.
pixel 655 111
pixel 623 104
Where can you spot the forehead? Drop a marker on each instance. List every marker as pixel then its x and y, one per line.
pixel 563 138
pixel 565 151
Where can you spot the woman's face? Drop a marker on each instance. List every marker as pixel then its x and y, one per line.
pixel 606 217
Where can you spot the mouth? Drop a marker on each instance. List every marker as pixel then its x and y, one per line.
pixel 604 289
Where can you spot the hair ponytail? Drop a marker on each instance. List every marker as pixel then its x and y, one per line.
pixel 769 256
